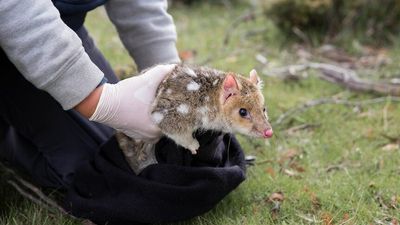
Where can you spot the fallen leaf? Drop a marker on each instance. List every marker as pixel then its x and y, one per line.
pixel 315 201
pixel 290 173
pixel 346 217
pixel 270 171
pixel 297 167
pixel 289 154
pixel 276 196
pixel 327 218
pixel 276 199
pixel 187 55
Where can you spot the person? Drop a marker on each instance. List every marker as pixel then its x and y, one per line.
pixel 60 104
pixel 59 97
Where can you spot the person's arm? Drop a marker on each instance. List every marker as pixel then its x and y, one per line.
pixel 146 30
pixel 47 53
pixel 51 57
pixel 88 105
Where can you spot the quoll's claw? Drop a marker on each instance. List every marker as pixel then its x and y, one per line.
pixel 193 147
pixel 268 133
pixel 194 152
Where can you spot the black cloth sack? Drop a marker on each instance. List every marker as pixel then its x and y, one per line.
pixel 179 187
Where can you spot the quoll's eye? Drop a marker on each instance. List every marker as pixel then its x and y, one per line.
pixel 264 110
pixel 243 112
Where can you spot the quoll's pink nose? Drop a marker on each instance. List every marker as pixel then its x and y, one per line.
pixel 268 133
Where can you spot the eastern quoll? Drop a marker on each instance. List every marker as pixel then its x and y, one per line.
pixel 200 98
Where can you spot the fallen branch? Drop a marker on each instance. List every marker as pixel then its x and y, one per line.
pixel 324 101
pixel 28 195
pixel 32 192
pixel 245 17
pixel 338 75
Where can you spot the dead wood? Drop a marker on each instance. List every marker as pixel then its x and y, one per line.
pixel 324 101
pixel 32 192
pixel 338 75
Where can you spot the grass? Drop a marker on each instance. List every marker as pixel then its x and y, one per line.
pixel 364 187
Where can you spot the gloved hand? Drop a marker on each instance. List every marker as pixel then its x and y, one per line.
pixel 125 106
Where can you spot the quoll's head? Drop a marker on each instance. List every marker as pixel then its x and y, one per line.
pixel 243 105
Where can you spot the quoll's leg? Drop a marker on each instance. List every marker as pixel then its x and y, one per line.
pixel 138 154
pixel 185 140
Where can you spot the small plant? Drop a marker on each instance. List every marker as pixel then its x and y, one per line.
pixel 365 19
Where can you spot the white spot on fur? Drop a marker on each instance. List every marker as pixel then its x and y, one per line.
pixel 157 117
pixel 215 82
pixel 193 86
pixel 183 109
pixel 205 120
pixel 169 91
pixel 190 72
pixel 207 98
pixel 203 110
pixel 128 153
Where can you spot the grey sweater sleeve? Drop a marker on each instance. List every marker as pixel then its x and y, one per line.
pixel 46 51
pixel 146 30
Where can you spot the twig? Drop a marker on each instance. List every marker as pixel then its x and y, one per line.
pixel 27 195
pixel 264 161
pixel 334 167
pixel 324 101
pixel 339 75
pixel 32 192
pixel 299 33
pixel 40 194
pixel 301 127
pixel 32 188
pixel 247 16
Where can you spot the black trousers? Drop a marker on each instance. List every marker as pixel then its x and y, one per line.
pixel 37 135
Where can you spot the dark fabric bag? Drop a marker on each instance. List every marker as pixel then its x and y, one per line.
pixel 179 187
pixel 73 12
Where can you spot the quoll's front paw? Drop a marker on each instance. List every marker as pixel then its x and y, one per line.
pixel 193 147
pixel 185 140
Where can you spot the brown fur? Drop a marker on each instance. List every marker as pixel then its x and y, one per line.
pixel 200 98
pixel 207 107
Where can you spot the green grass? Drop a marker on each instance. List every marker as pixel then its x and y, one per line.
pixel 344 136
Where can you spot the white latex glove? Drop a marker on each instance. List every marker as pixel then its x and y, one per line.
pixel 125 106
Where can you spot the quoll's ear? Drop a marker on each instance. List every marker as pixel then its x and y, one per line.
pixel 255 79
pixel 231 87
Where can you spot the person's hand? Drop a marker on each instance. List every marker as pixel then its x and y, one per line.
pixel 125 106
